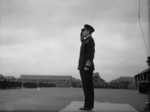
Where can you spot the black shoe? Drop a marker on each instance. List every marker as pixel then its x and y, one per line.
pixel 86 108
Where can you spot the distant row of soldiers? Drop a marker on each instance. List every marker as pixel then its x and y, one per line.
pixel 16 84
pixel 10 84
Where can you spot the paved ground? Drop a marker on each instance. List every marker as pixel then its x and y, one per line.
pixel 99 107
pixel 55 99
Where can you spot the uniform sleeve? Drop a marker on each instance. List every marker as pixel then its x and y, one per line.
pixel 90 50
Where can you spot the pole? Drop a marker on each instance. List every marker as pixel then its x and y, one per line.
pixel 148 58
pixel 149 25
pixel 147 105
pixel 149 50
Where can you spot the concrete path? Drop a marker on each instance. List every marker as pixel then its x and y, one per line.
pixel 99 107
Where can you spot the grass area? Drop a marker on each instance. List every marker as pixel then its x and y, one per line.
pixel 55 99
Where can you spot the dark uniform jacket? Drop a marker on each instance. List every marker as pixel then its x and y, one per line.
pixel 87 51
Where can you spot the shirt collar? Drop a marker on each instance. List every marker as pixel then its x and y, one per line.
pixel 87 37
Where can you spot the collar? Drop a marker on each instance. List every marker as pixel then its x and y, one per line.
pixel 87 37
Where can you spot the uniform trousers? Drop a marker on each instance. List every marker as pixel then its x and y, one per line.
pixel 88 89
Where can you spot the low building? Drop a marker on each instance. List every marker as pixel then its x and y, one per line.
pixel 142 81
pixel 46 80
pixel 127 82
pixel 1 76
pixel 10 78
pixel 114 84
pixel 76 83
pixel 123 83
pixel 98 81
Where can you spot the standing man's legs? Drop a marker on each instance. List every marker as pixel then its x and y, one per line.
pixel 87 83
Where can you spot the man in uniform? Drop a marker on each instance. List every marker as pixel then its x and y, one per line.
pixel 86 65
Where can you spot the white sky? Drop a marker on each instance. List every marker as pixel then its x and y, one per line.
pixel 42 37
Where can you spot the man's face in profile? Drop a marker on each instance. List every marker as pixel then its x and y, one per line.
pixel 84 32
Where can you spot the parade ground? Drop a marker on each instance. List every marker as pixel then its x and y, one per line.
pixel 56 99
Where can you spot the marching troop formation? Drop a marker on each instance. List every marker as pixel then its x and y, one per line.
pixel 10 83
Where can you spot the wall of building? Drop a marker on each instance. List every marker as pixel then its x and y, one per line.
pixel 123 83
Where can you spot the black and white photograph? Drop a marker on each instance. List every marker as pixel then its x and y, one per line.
pixel 74 56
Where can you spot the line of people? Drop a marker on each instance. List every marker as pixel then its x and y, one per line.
pixel 10 84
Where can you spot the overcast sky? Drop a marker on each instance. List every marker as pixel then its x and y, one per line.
pixel 42 37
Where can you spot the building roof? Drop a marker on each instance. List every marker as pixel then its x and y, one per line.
pixel 144 71
pixel 45 77
pixel 114 81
